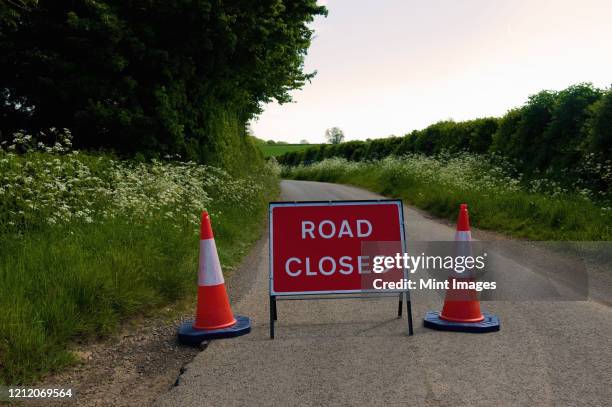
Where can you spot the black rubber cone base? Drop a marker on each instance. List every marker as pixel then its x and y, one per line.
pixel 188 335
pixel 489 324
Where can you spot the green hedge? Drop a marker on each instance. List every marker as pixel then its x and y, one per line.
pixel 563 135
pixel 151 77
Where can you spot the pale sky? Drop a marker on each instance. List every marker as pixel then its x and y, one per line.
pixel 390 66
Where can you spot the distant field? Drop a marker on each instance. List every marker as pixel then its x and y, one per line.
pixel 270 150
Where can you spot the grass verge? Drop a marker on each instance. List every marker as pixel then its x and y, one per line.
pixel 133 249
pixel 534 210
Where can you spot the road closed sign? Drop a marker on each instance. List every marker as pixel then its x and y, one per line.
pixel 329 247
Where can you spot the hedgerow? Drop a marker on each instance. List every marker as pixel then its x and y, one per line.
pixel 565 136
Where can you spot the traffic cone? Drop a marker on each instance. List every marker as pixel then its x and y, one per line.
pixel 461 311
pixel 214 318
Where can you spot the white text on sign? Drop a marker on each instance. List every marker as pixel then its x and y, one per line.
pixel 327 229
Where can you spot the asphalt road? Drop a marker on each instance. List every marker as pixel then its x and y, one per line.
pixel 356 352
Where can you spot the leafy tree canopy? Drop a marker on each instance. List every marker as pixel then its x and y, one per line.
pixel 149 75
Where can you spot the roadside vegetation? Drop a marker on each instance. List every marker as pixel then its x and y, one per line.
pixel 157 97
pixel 542 171
pixel 498 200
pixel 87 240
pixel 151 78
pixel 557 135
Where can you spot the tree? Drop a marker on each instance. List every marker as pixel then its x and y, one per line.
pixel 599 128
pixel 334 135
pixel 154 75
pixel 564 137
pixel 11 10
pixel 520 134
pixel 304 141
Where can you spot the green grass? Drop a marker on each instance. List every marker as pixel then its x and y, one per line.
pixel 496 203
pixel 64 283
pixel 274 150
pixel 67 277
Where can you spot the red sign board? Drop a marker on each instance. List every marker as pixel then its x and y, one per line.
pixel 329 247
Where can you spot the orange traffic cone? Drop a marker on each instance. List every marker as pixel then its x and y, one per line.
pixel 214 317
pixel 461 311
pixel 462 305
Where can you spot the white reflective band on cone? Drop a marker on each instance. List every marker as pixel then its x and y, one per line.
pixel 463 236
pixel 210 268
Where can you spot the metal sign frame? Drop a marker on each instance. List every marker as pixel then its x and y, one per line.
pixel 344 294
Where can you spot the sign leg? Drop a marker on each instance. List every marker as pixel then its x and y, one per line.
pixel 272 315
pixel 409 312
